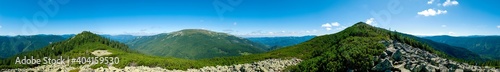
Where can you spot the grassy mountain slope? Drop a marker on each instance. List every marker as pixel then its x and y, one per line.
pixel 11 45
pixel 487 46
pixel 273 43
pixel 195 44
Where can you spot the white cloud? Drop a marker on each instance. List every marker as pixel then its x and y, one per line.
pixel 335 24
pixel 430 1
pixel 235 23
pixel 370 21
pixel 328 26
pixel 432 12
pixel 443 25
pixel 328 29
pixel 1 26
pixel 497 26
pixel 450 3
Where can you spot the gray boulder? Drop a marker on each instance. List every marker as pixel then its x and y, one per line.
pixel 397 56
pixel 383 66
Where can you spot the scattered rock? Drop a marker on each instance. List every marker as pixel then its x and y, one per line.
pixel 269 65
pixel 403 57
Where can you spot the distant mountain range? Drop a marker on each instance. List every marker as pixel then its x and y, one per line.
pixel 487 46
pixel 273 43
pixel 17 44
pixel 121 38
pixel 195 44
pixel 454 51
pixel 11 45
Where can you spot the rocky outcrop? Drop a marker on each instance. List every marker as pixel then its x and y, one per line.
pixel 269 65
pixel 403 57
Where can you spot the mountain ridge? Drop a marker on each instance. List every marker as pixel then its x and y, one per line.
pixel 11 45
pixel 488 46
pixel 273 43
pixel 195 44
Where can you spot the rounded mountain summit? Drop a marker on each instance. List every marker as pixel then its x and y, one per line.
pixel 195 44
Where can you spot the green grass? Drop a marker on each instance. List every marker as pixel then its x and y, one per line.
pixel 75 70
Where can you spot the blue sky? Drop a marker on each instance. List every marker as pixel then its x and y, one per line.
pixel 248 17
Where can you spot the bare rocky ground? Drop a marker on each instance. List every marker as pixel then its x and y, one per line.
pixel 269 65
pixel 405 58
